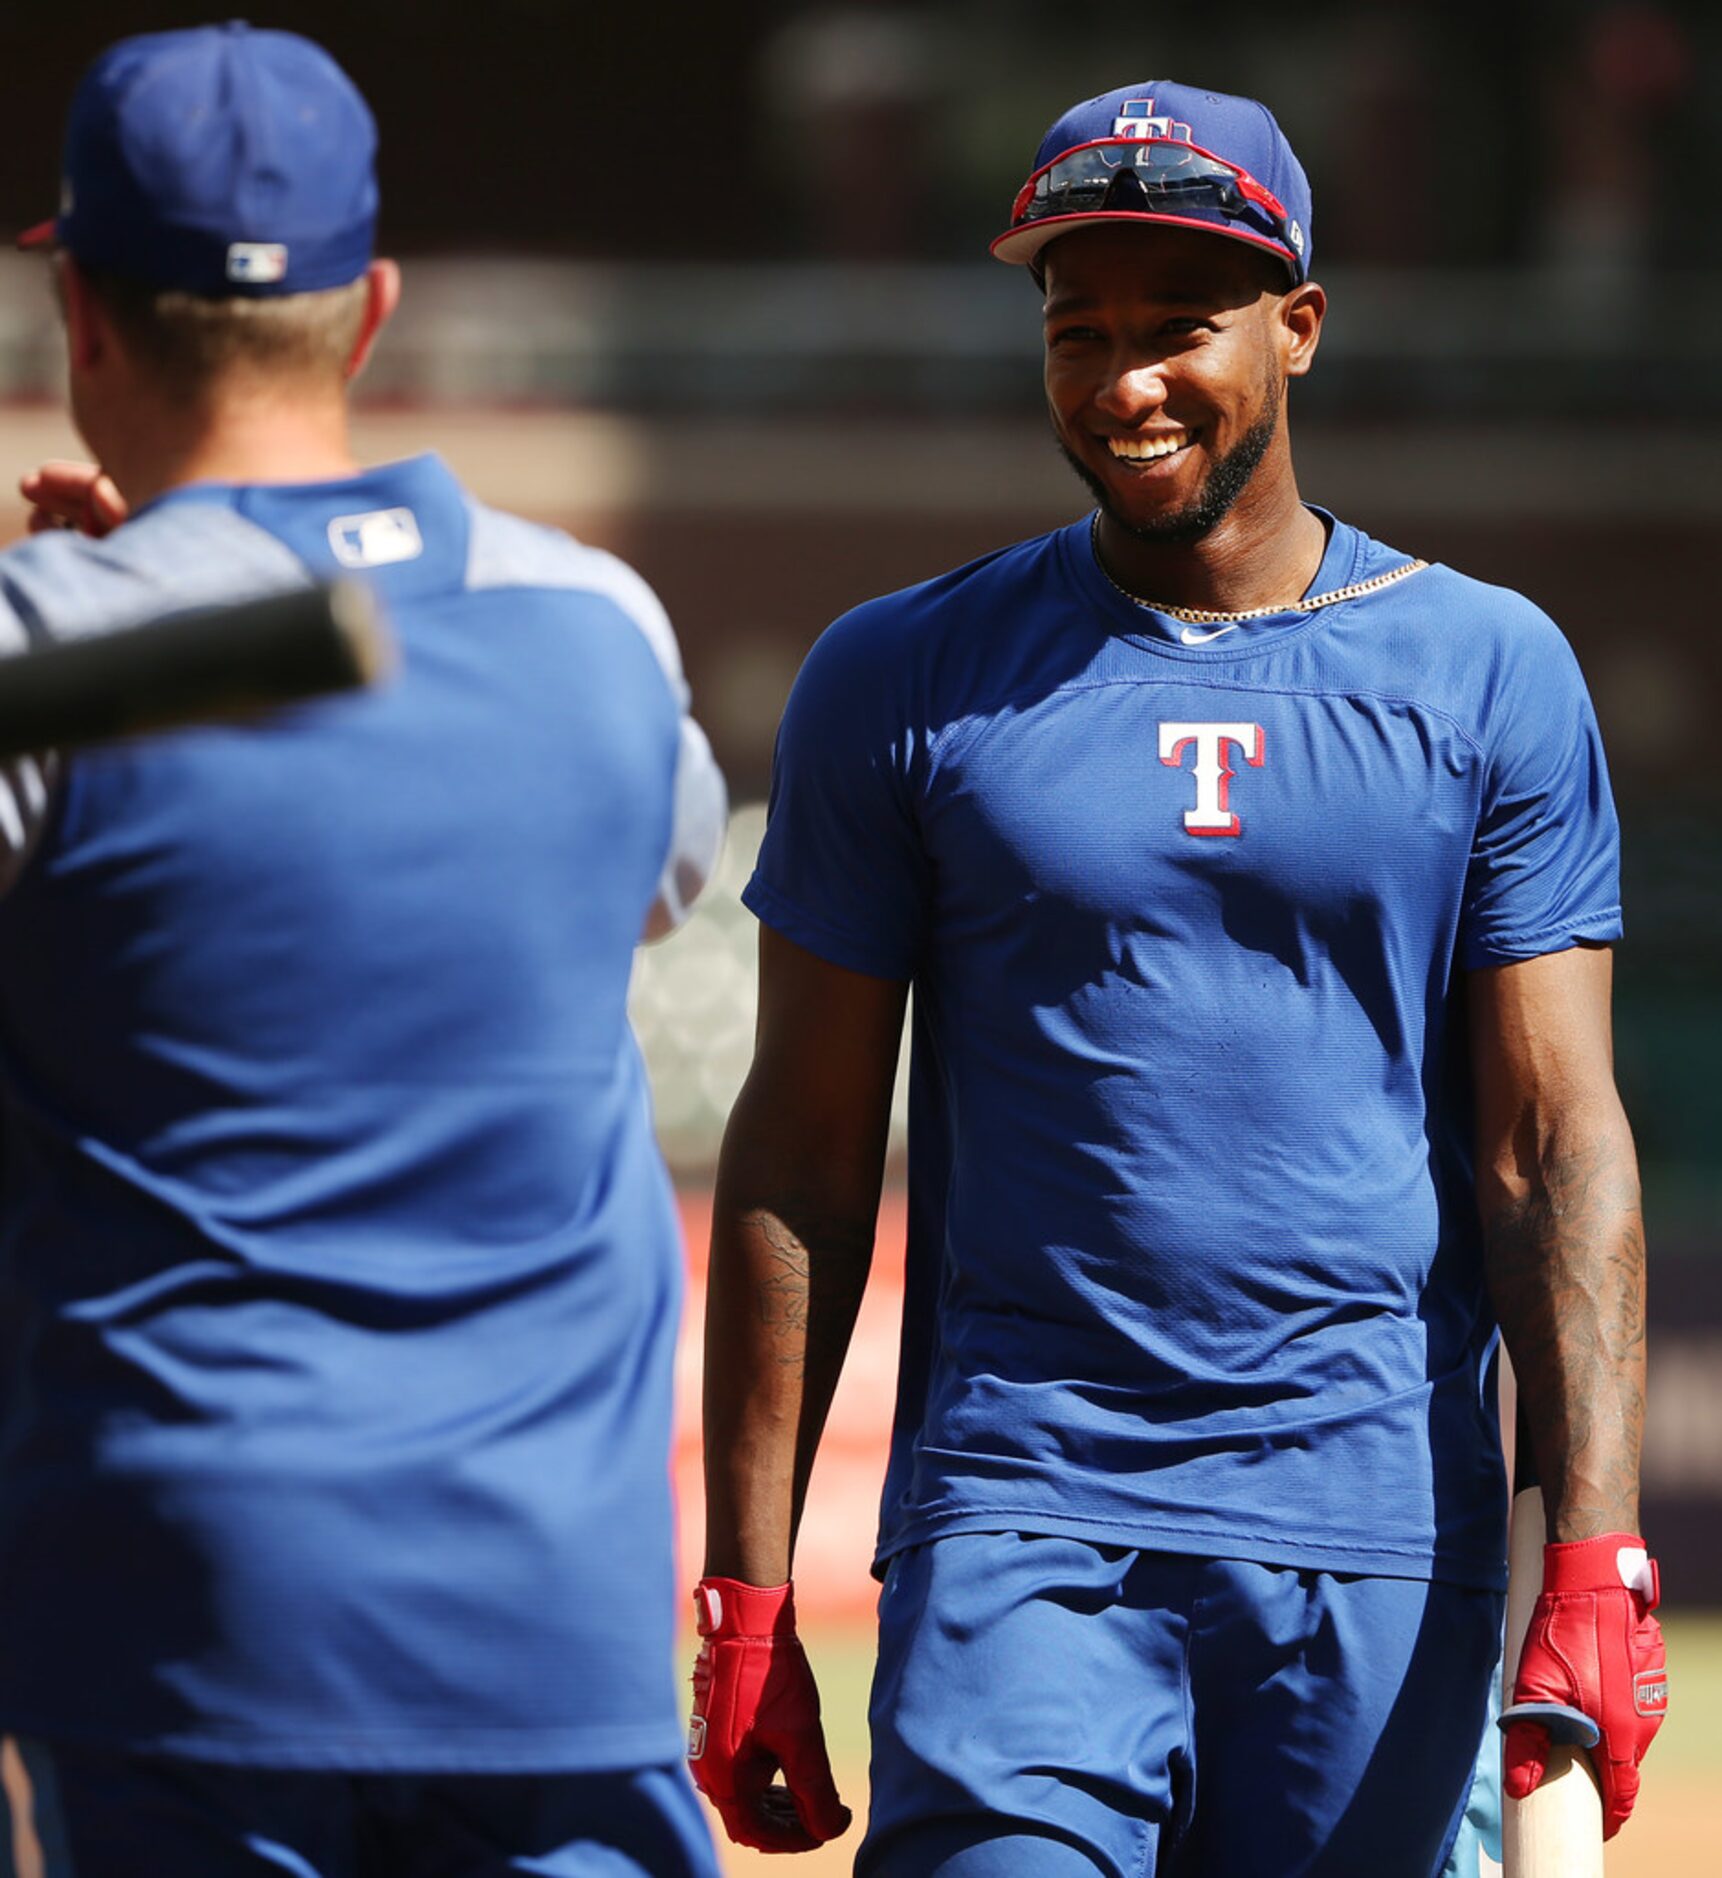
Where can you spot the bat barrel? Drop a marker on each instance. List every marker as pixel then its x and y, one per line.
pixel 193 667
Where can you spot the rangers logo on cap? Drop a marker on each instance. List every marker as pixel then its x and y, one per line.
pixel 1137 123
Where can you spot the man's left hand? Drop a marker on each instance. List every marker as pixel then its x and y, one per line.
pixel 1593 1673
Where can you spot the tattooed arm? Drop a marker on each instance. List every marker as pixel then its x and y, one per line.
pixel 792 1239
pixel 1557 1181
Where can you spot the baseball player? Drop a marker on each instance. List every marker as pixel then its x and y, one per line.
pixel 1255 882
pixel 341 1273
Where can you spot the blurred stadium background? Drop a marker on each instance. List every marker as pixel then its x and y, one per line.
pixel 708 285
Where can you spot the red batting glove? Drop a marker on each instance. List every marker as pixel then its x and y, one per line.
pixel 1593 1673
pixel 756 1710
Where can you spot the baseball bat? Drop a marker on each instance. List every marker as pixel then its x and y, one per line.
pixel 214 664
pixel 1557 1831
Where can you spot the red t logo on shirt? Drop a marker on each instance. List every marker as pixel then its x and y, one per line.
pixel 1212 814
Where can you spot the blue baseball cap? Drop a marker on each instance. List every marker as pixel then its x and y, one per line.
pixel 1169 153
pixel 221 161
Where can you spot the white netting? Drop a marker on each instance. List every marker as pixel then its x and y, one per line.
pixel 692 1003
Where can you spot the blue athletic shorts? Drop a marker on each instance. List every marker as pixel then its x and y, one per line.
pixel 1043 1705
pixel 1476 1852
pixel 104 1814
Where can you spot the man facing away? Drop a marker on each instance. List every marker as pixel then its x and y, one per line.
pixel 1255 883
pixel 341 1270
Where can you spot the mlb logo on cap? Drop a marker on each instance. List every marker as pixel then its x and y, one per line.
pixel 220 161
pixel 257 263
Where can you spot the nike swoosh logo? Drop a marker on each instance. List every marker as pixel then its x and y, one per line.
pixel 1202 639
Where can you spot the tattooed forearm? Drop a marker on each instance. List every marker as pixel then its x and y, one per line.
pixel 781 1297
pixel 793 1217
pixel 1564 1249
pixel 807 1302
pixel 786 1282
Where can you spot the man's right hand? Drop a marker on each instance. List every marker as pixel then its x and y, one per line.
pixel 756 1710
pixel 64 494
pixel 1593 1673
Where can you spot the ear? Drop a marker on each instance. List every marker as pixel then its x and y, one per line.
pixel 1301 314
pixel 89 338
pixel 382 296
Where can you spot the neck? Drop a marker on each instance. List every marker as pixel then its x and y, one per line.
pixel 268 437
pixel 1263 552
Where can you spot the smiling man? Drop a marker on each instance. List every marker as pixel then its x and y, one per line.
pixel 1255 881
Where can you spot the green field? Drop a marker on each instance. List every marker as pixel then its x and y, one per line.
pixel 1676 1833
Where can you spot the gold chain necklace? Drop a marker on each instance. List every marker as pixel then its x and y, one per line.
pixel 1206 616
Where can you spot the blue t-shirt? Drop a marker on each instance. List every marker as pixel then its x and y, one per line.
pixel 1193 1258
pixel 339 1273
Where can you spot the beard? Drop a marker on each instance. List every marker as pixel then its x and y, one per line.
pixel 1226 481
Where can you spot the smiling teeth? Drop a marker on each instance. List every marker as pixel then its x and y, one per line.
pixel 1143 449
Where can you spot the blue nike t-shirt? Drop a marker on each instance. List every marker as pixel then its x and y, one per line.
pixel 339 1272
pixel 1193 1261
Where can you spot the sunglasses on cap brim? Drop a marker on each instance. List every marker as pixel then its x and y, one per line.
pixel 1154 176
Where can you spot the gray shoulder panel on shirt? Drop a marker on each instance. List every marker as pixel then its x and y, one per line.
pixel 187 554
pixel 65 586
pixel 508 551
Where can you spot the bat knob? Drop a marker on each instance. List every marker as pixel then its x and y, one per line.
pixel 1568 1727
